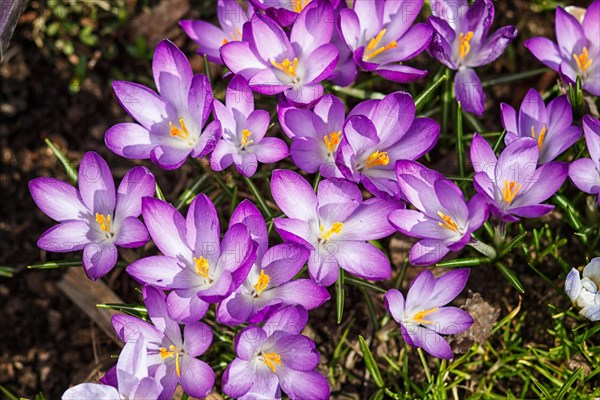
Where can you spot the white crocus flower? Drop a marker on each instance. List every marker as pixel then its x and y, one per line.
pixel 585 292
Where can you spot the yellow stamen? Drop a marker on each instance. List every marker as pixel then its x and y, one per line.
pixel 103 221
pixel 419 317
pixel 298 5
pixel 224 42
pixel 172 352
pixel 464 47
pixel 270 359
pixel 201 266
pixel 448 222
pixel 540 138
pixel 583 61
pixel 235 36
pixel 177 132
pixel 288 67
pixel 377 158
pixel 372 50
pixel 332 140
pixel 262 282
pixel 245 135
pixel 335 228
pixel 510 190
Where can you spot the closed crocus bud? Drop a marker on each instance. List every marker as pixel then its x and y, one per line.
pixel 583 291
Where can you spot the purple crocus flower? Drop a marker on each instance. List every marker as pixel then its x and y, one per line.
pixel 167 349
pixel 170 125
pixel 577 52
pixel 443 220
pixel 511 183
pixel 209 37
pixel 584 292
pixel 269 284
pixel 243 140
pixel 585 172
pixel 284 12
pixel 335 225
pixel 382 36
pixel 461 43
pixel 94 218
pixel 550 126
pixel 315 134
pixel 132 376
pixel 273 63
pixel 197 266
pixel 276 358
pixel 377 133
pixel 423 317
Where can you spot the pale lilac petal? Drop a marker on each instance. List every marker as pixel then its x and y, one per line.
pixel 240 59
pixel 313 27
pixel 197 338
pixel 197 378
pixel 303 385
pixel 321 63
pixel 591 22
pixel 350 28
pixel 129 140
pixel 582 173
pixel 401 73
pixel 569 33
pixel 155 301
pixel 297 352
pixel 421 137
pixel 534 211
pixel 129 328
pixel 132 233
pixel 271 41
pixel 169 158
pixel 483 157
pixel 394 304
pixel 57 199
pixel 248 341
pixel 221 157
pixel 296 122
pixel 294 230
pixel 293 195
pixel 167 228
pixel 238 378
pixel 99 259
pixel 91 391
pixel 145 106
pixel 509 118
pixel 160 271
pixel 303 96
pixel 270 150
pixel 447 287
pixel 199 100
pixel 591 312
pixel 350 253
pixel 533 114
pixel 291 319
pixel 573 285
pixel 66 237
pixel 517 163
pixel 308 154
pixel 302 292
pixel 186 309
pixel 369 221
pixel 546 181
pixel 203 232
pixel 493 46
pixel 248 214
pixel 207 36
pixel 557 142
pixel 427 252
pixel 337 199
pixel 429 341
pixel 469 92
pixel 96 184
pixel 591 127
pixel 136 184
pixel 415 224
pixel 449 320
pixel 545 50
pixel 172 73
pixel 323 266
pixel 239 98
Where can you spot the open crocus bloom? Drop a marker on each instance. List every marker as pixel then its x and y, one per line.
pixel 424 316
pixel 209 37
pixel 377 133
pixel 94 218
pixel 444 221
pixel 270 284
pixel 167 349
pixel 197 266
pixel 243 140
pixel 276 358
pixel 550 126
pixel 131 373
pixel 315 134
pixel 585 292
pixel 381 36
pixel 334 225
pixel 170 125
pixel 273 63
pixel 585 172
pixel 577 51
pixel 511 184
pixel 461 43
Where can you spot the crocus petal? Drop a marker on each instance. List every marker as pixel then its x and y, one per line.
pixel 246 213
pixel 421 137
pixel 302 96
pixel 545 50
pixel 199 101
pixel 132 365
pixel 160 271
pixel 186 309
pixel 350 28
pixel 145 106
pixel 533 114
pixel 137 183
pixel 91 391
pixel 313 28
pixel 270 150
pixel 415 224
pixel 469 92
pixel 321 63
pixel 350 253
pixel 283 261
pixel 129 328
pixel 235 248
pixel 555 145
pixel 369 221
pixel 394 304
pixel 573 285
pixel 172 73
pixel 99 259
pixel 221 157
pixel 448 286
pixel 449 320
pixel 248 341
pixel 169 158
pixel 569 33
pixel 197 338
pixel 294 230
pixel 240 59
pixel 197 378
pixel 591 127
pixel 429 341
pixel 270 40
pixel 238 378
pixel 202 227
pixel 305 152
pixel 591 21
pixel 534 211
pixel 206 36
pixel 591 312
pixel 296 122
pixel 412 43
pixel 57 199
pixel 297 352
pixel 493 46
pixel 291 319
pixel 427 252
pixel 65 237
pixel 129 140
pixel 483 157
pixel 544 183
pixel 303 385
pixel 293 195
pixel 592 270
pixel 167 228
pixel 303 292
pixel 337 199
pixel 582 173
pixel 401 73
pixel 132 233
pixel 156 305
pixel 239 98
pixel 517 163
pixel 96 184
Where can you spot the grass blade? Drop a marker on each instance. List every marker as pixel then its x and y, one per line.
pixel 426 95
pixel 370 362
pixel 363 284
pixel 510 276
pixel 56 264
pixel 64 161
pixel 259 198
pixel 340 296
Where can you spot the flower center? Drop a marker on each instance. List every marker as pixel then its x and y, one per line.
pixel 262 282
pixel 245 136
pixel 448 222
pixel 332 140
pixel 182 132
pixel 377 158
pixel 464 47
pixel 373 51
pixel 510 190
pixel 288 67
pixel 103 221
pixel 201 266
pixel 235 36
pixel 540 138
pixel 271 359
pixel 298 5
pixel 335 228
pixel 584 62
pixel 420 316
pixel 172 352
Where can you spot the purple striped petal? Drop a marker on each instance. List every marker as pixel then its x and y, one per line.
pixel 207 36
pixel 299 385
pixel 136 184
pixel 429 341
pixel 197 338
pixel 203 232
pixel 66 237
pixel 162 272
pixel 270 150
pixel 370 221
pixel 132 233
pixel 583 174
pixel 96 184
pixel 130 140
pixel 394 304
pixel 197 378
pixel 145 106
pixel 350 253
pixel 450 320
pixel 57 199
pixel 172 73
pixel 186 309
pixel 240 59
pixel 469 92
pixel 293 195
pixel 99 259
pixel 291 319
pixel 545 50
pixel 427 252
pixel 167 228
pixel 155 301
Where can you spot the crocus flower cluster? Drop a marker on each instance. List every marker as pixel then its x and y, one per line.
pixel 423 316
pixel 576 53
pixel 585 292
pixel 461 43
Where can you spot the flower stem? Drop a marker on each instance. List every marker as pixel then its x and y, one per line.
pixel 425 366
pixel 483 248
